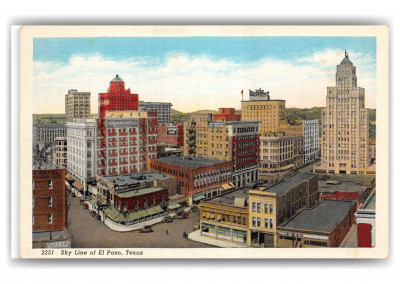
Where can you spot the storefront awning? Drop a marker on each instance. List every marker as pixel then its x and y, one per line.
pixel 198 197
pixel 151 211
pixel 208 215
pixel 174 206
pixel 218 217
pixel 158 209
pixel 204 214
pixel 77 185
pixel 227 186
pixel 212 216
pixel 68 177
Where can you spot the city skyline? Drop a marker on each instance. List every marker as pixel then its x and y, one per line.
pixel 214 69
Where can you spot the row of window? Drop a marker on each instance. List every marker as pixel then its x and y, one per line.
pixel 268 208
pixel 49 184
pixel 49 201
pixel 49 219
pixel 268 223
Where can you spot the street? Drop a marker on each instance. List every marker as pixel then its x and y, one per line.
pixel 88 232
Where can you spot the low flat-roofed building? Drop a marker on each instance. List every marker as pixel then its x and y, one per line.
pixel 347 187
pixel 226 217
pixel 325 225
pixel 198 177
pixel 365 219
pixel 273 205
pixel 109 186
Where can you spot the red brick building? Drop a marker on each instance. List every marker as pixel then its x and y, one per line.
pixel 117 98
pixel 181 139
pixel 131 200
pixel 227 114
pixel 48 197
pixel 131 140
pixel 197 177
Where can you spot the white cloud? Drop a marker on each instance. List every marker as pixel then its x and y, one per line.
pixel 193 83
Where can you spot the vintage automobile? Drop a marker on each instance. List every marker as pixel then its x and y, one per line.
pixel 146 229
pixel 98 217
pixel 85 205
pixel 196 227
pixel 182 216
pixel 167 219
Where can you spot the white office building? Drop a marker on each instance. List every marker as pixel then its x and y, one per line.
pixel 311 139
pixel 81 141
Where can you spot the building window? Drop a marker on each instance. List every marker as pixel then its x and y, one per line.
pixel 258 222
pixel 162 198
pixel 254 222
pixel 154 200
pixel 266 223
pixel 258 207
pixel 145 202
pixel 271 224
pixel 266 208
pixel 50 218
pixel 50 184
pixel 254 207
pixel 136 204
pixel 50 201
pixel 271 208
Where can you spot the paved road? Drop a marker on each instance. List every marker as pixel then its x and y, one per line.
pixel 88 232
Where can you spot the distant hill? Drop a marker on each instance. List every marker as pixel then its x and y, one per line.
pixel 49 118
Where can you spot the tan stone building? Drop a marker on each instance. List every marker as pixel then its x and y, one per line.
pixel 345 122
pixel 236 141
pixel 77 105
pixel 61 151
pixel 226 217
pixel 280 152
pixel 270 206
pixel 270 113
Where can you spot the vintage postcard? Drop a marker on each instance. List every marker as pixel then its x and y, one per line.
pixel 204 142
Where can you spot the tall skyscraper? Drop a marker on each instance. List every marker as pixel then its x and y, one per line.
pixel 117 98
pixel 345 123
pixel 77 104
pixel 270 113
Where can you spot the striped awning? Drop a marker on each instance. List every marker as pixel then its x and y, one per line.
pixel 174 206
pixel 68 177
pixel 77 185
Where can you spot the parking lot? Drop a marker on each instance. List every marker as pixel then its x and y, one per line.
pixel 88 232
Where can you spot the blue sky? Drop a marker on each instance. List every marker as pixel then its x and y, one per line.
pixel 208 70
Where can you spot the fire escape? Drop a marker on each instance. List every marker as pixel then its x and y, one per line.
pixel 192 138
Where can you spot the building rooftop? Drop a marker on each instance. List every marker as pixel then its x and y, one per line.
pixel 370 203
pixel 189 161
pixel 50 125
pixel 322 218
pixel 281 187
pixel 229 198
pixel 117 79
pixel 139 191
pixel 155 103
pixel 136 177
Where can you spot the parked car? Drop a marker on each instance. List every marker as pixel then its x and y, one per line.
pixel 93 213
pixel 98 217
pixel 73 194
pixel 146 229
pixel 196 227
pixel 182 216
pixel 167 219
pixel 85 205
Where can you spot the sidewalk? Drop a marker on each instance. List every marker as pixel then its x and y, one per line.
pixel 195 236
